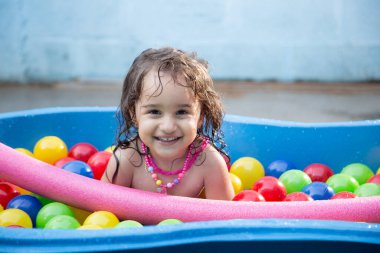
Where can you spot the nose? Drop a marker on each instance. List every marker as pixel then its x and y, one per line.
pixel 168 125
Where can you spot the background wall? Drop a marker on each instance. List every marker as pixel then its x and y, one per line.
pixel 289 40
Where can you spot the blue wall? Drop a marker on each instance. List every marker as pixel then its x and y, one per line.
pixel 326 40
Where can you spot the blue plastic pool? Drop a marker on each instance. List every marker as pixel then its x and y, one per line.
pixel 335 144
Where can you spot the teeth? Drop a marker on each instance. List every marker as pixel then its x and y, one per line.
pixel 167 139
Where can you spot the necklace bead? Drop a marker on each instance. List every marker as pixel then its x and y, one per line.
pixel 153 169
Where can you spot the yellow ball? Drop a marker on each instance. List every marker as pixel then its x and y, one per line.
pixel 25 151
pixel 249 170
pixel 236 183
pixel 1 208
pixel 16 217
pixel 50 149
pixel 90 226
pixel 378 171
pixel 110 149
pixel 103 219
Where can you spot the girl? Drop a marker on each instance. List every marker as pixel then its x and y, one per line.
pixel 170 138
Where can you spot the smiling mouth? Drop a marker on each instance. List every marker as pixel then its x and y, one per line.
pixel 167 139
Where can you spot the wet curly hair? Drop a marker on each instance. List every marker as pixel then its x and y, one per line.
pixel 178 63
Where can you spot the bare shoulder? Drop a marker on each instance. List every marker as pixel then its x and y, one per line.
pixel 213 159
pixel 216 178
pixel 122 165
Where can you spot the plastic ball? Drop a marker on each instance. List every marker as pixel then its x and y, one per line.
pixel 7 193
pixel 110 149
pixel 51 210
pixel 62 222
pixel 98 163
pixel 103 219
pixel 50 149
pixel 60 163
pixel 43 200
pixel 249 170
pixel 21 190
pixel 344 195
pixel 89 227
pixel 367 190
pixel 294 180
pixel 298 196
pixel 270 188
pixel 278 167
pixel 236 183
pixel 80 214
pixel 29 204
pixel 170 222
pixel 129 224
pixel 378 171
pixel 16 217
pixel 25 151
pixel 80 168
pixel 319 191
pixel 318 172
pixel 375 179
pixel 359 171
pixel 82 151
pixel 342 183
pixel 249 195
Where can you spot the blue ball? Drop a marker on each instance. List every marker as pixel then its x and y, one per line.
pixel 27 203
pixel 318 191
pixel 276 168
pixel 80 168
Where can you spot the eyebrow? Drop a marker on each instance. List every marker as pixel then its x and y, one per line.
pixel 157 105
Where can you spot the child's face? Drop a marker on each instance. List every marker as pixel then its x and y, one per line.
pixel 167 122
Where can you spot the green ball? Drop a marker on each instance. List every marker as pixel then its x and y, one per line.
pixel 367 190
pixel 294 180
pixel 62 222
pixel 359 171
pixel 51 210
pixel 342 183
pixel 170 222
pixel 128 224
pixel 44 201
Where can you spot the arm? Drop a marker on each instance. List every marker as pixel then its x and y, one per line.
pixel 125 172
pixel 217 180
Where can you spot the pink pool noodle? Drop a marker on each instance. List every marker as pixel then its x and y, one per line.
pixel 151 208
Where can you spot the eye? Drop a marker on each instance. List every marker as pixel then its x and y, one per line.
pixel 154 112
pixel 182 112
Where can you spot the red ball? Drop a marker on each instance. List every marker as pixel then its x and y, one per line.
pixel 344 195
pixel 7 193
pixel 271 188
pixel 375 179
pixel 63 161
pixel 98 163
pixel 82 151
pixel 318 172
pixel 249 195
pixel 298 196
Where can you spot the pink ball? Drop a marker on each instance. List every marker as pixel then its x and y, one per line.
pixel 318 172
pixel 271 188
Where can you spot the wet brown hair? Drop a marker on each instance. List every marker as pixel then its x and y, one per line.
pixel 178 63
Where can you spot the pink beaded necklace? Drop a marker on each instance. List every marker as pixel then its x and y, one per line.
pixel 153 169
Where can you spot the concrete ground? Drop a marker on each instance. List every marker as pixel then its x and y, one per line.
pixel 300 102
